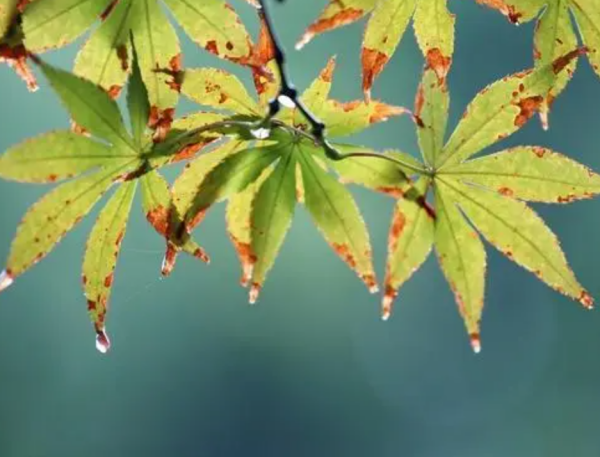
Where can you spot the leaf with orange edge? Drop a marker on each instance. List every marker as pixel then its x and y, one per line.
pixel 558 22
pixel 387 23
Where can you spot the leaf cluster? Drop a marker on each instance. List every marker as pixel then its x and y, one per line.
pixel 266 151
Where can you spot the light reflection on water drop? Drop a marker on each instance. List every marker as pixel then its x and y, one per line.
pixel 6 280
pixel 261 133
pixel 102 342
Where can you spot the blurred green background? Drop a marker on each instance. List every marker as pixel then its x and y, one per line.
pixel 311 371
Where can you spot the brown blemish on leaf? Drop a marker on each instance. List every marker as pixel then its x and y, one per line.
pixel 539 151
pixel 16 58
pixel 211 46
pixel 559 64
pixel 169 260
pixel 345 16
pixel 159 219
pixel 247 259
pixel 373 62
pixel 388 302
pixel 528 106
pixel 114 91
pixel 395 192
pixel 344 252
pixel 509 11
pixel 160 121
pixel 439 63
pixel 108 10
pixel 506 191
pixel 398 226
pixel 122 54
pixel 109 280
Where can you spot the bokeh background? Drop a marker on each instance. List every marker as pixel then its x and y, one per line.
pixel 311 371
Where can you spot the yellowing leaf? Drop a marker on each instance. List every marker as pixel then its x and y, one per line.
pixel 463 261
pixel 433 24
pixel 56 156
pixel 271 217
pixel 519 233
pixel 53 216
pixel 530 173
pixel 163 216
pixel 218 89
pixel 500 110
pixel 336 215
pixel 101 255
pixel 431 112
pixel 410 241
pixel 555 34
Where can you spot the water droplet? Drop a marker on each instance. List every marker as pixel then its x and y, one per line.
pixel 286 101
pixel 476 343
pixel 261 133
pixel 247 272
pixel 6 280
pixel 254 292
pixel 304 40
pixel 102 342
pixel 544 119
pixel 168 263
pixel 386 308
pixel 374 288
pixel 586 299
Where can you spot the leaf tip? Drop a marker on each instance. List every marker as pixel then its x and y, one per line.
pixel 387 303
pixel 6 280
pixel 169 260
pixel 586 300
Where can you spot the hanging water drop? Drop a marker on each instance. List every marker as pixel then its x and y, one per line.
pixel 261 133
pixel 254 292
pixel 386 307
pixel 102 342
pixel 168 263
pixel 286 101
pixel 6 280
pixel 475 343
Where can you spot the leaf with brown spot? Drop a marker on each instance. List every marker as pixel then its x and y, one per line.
pixel 530 173
pixel 388 20
pixel 409 243
pixel 555 34
pixel 218 89
pixel 102 252
pixel 163 216
pixel 518 232
pixel 501 109
pixel 338 218
pixel 270 219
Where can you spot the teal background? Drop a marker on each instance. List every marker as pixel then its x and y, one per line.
pixel 311 370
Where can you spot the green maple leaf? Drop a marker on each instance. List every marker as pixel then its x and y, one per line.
pixel 109 156
pixel 263 179
pixel 555 34
pixel 105 58
pixel 388 19
pixel 456 199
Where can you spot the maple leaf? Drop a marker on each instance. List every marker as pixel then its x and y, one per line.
pixel 264 170
pixel 388 19
pixel 454 200
pixel 105 58
pixel 108 155
pixel 555 34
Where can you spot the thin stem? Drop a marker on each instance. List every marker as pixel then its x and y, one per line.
pixel 288 93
